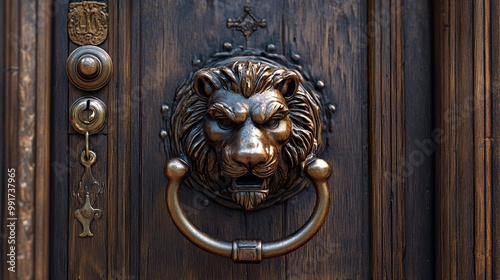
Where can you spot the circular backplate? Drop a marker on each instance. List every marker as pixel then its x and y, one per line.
pixel 87 114
pixel 89 68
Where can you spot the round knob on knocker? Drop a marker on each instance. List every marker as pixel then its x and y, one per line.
pixel 89 68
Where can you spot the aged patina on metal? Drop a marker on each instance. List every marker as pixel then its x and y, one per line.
pixel 87 116
pixel 246 127
pixel 89 68
pixel 88 22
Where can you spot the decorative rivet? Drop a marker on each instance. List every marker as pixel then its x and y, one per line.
pixel 320 84
pixel 163 134
pixel 271 48
pixel 228 46
pixel 332 108
pixel 296 57
pixel 164 109
pixel 196 61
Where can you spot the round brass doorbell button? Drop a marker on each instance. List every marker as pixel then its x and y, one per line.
pixel 89 68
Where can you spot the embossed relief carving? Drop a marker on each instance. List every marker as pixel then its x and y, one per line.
pixel 87 193
pixel 88 22
pixel 246 124
pixel 246 23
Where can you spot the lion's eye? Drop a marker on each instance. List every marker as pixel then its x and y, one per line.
pixel 273 123
pixel 225 123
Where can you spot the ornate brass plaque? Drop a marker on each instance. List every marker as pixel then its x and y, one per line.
pixel 247 124
pixel 88 22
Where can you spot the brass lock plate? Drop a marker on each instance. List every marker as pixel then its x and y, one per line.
pixel 88 114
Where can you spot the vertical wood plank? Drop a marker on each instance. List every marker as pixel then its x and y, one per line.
pixel 387 138
pixel 493 112
pixel 11 100
pixel 421 139
pixel 3 175
pixel 42 161
pixel 60 164
pixel 331 40
pixel 119 140
pixel 465 162
pixel 26 99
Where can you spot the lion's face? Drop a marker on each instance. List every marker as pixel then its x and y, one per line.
pixel 249 134
pixel 248 131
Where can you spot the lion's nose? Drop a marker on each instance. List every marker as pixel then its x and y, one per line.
pixel 250 150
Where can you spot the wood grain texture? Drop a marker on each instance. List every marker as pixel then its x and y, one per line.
pixel 421 139
pixel 119 141
pixel 387 138
pixel 332 44
pixel 60 150
pixel 27 128
pixel 464 163
pixel 493 110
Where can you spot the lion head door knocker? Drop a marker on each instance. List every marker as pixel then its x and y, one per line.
pixel 244 130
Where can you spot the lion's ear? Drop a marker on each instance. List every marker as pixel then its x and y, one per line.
pixel 204 84
pixel 288 84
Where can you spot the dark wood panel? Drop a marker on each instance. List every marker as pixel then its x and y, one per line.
pixel 332 44
pixel 26 113
pixel 3 122
pixel 120 155
pixel 59 162
pixel 464 164
pixel 419 256
pixel 387 137
pixel 492 192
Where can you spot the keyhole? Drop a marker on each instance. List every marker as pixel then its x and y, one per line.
pixel 87 116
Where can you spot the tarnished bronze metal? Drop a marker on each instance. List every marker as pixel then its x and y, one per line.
pixel 87 114
pixel 246 125
pixel 244 130
pixel 246 23
pixel 89 68
pixel 88 22
pixel 318 171
pixel 88 191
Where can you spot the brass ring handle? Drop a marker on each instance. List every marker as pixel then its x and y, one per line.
pixel 318 171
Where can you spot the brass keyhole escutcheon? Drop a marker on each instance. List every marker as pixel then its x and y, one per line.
pixel 89 68
pixel 87 114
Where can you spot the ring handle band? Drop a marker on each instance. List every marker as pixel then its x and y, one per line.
pixel 244 250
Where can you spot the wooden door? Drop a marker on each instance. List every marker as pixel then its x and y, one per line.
pixel 373 63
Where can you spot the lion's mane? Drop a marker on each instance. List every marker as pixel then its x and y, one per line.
pixel 189 140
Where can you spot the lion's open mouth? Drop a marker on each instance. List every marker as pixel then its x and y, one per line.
pixel 249 190
pixel 250 182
